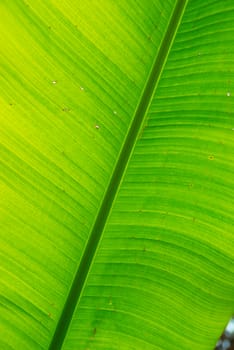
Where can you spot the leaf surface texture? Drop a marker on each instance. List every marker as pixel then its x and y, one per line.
pixel 116 174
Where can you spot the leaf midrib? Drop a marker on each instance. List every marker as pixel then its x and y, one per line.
pixel 121 164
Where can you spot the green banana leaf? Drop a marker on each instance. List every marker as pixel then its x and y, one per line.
pixel 117 121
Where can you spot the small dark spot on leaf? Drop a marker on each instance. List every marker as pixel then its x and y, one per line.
pixel 211 157
pixel 65 109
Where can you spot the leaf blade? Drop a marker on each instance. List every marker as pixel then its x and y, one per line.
pixel 52 148
pixel 165 265
pixel 102 216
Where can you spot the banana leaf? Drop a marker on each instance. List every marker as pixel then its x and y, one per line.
pixel 117 196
